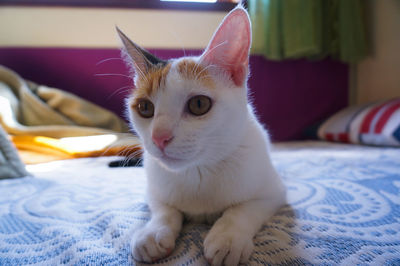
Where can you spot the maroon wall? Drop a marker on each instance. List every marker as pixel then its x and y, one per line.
pixel 289 96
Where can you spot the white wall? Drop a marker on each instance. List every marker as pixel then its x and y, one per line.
pixel 378 77
pixel 95 27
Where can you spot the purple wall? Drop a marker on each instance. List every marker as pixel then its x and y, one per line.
pixel 288 96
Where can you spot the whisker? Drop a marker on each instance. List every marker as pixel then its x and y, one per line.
pixel 215 47
pixel 204 69
pixel 120 90
pixel 179 41
pixel 134 68
pixel 105 151
pixel 134 155
pixel 141 74
pixel 124 151
pixel 113 74
pixel 128 158
pixel 196 68
pixel 108 59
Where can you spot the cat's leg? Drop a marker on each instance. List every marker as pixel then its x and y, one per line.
pixel 230 240
pixel 157 239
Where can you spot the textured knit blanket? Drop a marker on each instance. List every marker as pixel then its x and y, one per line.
pixel 344 209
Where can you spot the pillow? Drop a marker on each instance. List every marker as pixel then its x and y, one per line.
pixel 371 124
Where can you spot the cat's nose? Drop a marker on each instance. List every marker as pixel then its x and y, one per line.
pixel 161 139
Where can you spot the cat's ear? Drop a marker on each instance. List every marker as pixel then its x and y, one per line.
pixel 230 45
pixel 142 60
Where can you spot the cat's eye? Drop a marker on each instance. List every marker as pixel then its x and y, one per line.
pixel 199 105
pixel 145 108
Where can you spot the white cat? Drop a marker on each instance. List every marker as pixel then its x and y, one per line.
pixel 205 154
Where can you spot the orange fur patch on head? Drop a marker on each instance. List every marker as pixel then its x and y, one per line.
pixel 189 69
pixel 151 82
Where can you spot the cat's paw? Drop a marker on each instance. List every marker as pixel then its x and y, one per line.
pixel 227 247
pixel 152 243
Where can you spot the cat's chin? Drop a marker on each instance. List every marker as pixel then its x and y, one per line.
pixel 172 164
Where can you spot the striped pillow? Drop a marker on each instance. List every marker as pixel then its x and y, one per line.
pixel 372 124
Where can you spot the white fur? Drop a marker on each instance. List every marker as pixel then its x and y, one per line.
pixel 223 167
pixel 218 166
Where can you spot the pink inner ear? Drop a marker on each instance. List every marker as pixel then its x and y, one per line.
pixel 239 75
pixel 229 47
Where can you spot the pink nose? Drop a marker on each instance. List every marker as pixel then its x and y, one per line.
pixel 162 139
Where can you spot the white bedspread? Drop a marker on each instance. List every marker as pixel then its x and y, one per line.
pixel 344 209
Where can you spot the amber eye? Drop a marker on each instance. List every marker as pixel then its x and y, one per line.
pixel 199 105
pixel 145 108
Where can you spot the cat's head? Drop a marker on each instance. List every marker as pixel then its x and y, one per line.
pixel 193 110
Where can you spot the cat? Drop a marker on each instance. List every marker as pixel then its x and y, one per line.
pixel 206 156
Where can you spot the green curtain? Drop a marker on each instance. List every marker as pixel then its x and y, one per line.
pixel 287 29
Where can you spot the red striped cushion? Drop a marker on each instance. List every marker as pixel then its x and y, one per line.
pixel 372 124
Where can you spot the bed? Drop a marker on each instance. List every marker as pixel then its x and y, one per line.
pixel 344 209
